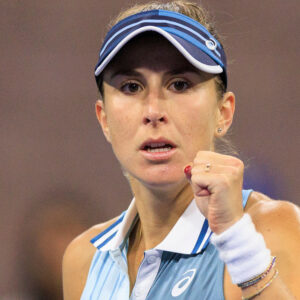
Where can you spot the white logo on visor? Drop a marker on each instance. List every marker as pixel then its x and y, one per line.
pixel 211 44
pixel 184 283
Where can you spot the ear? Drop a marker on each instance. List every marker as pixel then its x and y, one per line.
pixel 102 118
pixel 225 113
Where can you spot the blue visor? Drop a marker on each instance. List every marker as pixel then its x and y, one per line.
pixel 190 38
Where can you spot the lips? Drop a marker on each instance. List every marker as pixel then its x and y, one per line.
pixel 157 145
pixel 158 149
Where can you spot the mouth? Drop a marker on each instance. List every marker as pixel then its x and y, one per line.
pixel 158 148
pixel 157 145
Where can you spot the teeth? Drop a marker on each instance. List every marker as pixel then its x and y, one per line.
pixel 159 149
pixel 156 145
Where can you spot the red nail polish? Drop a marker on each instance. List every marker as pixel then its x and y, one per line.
pixel 187 171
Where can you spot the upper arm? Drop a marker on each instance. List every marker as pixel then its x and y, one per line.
pixel 77 260
pixel 279 223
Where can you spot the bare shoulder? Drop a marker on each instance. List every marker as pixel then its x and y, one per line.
pixel 279 213
pixel 77 259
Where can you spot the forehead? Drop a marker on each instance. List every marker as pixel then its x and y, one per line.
pixel 149 50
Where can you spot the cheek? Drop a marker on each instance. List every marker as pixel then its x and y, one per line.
pixel 122 122
pixel 120 127
pixel 197 119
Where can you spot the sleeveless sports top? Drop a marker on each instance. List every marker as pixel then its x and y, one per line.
pixel 183 266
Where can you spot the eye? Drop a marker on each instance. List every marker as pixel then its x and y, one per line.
pixel 131 87
pixel 179 85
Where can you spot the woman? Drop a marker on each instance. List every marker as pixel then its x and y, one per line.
pixel 191 232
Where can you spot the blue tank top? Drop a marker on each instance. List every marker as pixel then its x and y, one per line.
pixel 183 266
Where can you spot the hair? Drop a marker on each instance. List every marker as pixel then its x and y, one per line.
pixel 198 13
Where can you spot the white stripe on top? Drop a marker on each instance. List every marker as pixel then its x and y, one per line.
pixel 155 21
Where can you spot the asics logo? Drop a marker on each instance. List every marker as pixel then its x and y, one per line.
pixel 211 44
pixel 184 283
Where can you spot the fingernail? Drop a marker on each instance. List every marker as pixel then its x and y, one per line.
pixel 187 171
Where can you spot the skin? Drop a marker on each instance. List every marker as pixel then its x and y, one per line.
pixel 151 91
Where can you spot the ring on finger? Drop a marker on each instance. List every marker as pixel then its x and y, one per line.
pixel 207 167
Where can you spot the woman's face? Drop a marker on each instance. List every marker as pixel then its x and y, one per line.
pixel 159 110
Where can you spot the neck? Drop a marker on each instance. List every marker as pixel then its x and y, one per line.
pixel 159 209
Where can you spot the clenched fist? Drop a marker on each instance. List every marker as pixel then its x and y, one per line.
pixel 217 182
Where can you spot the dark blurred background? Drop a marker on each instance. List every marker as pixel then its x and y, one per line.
pixel 52 148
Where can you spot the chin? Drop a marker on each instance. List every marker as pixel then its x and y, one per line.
pixel 158 176
pixel 165 187
pixel 162 181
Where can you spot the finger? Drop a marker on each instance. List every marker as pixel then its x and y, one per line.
pixel 212 183
pixel 217 158
pixel 188 171
pixel 203 192
pixel 208 168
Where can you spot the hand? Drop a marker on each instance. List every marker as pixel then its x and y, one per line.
pixel 217 182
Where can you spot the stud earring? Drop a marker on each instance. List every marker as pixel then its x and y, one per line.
pixel 219 130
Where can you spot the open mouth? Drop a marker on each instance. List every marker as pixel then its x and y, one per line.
pixel 157 147
pixel 160 145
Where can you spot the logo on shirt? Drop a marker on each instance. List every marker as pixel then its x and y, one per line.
pixel 184 283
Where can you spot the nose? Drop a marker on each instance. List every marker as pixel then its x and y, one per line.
pixel 154 113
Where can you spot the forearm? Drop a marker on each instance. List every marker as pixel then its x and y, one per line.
pixel 272 287
pixel 250 264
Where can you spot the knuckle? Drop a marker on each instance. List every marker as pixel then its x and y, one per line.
pixel 195 177
pixel 237 163
pixel 198 160
pixel 241 165
pixel 202 155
